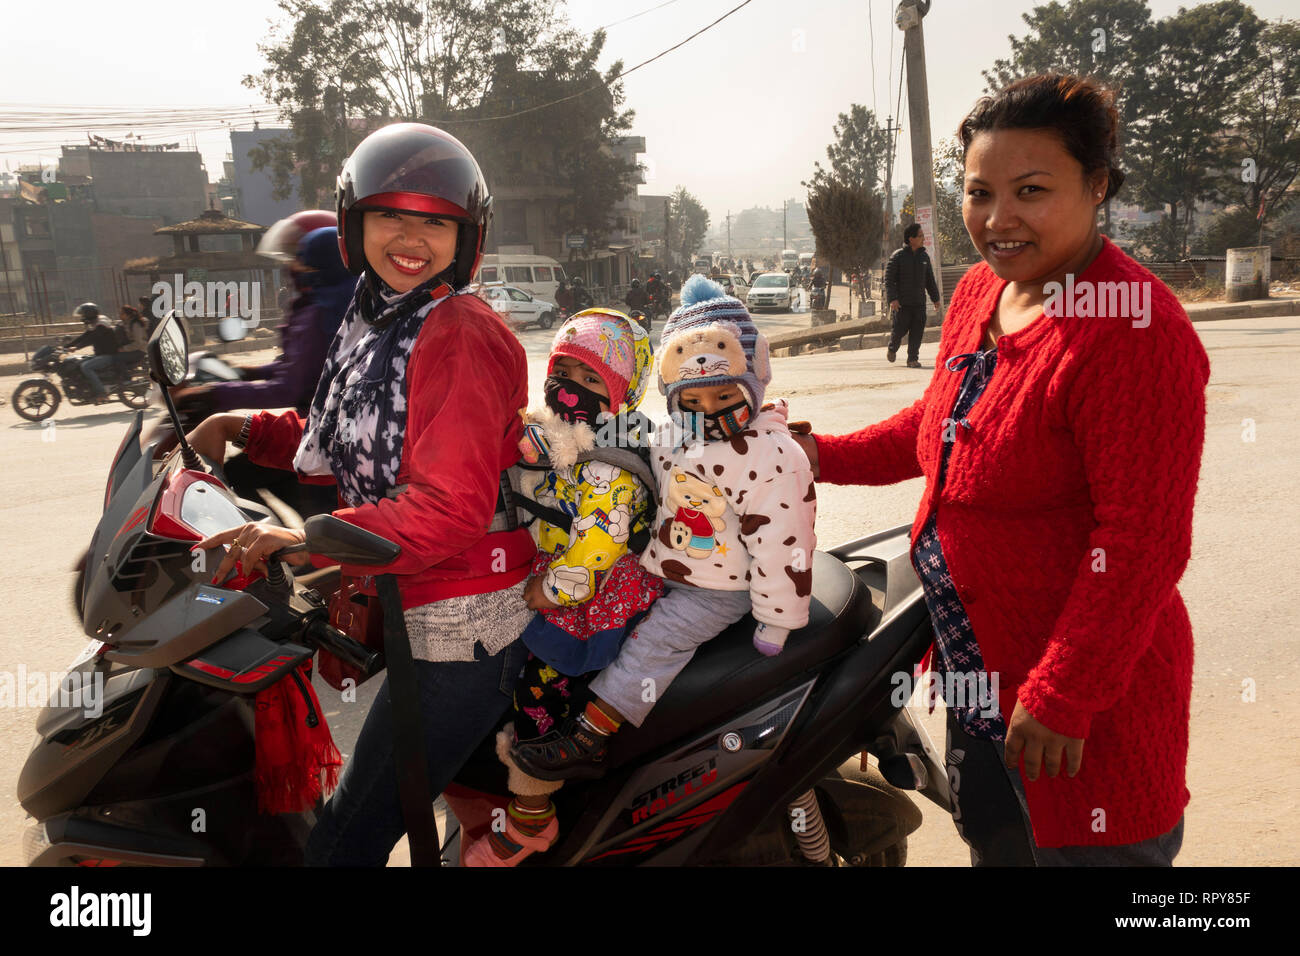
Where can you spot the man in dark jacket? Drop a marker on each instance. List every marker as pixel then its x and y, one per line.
pixel 636 297
pixel 100 336
pixel 908 277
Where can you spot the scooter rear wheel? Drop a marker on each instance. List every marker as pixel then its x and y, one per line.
pixel 134 394
pixel 36 399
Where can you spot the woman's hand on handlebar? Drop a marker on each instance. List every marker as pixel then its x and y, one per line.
pixel 251 544
pixel 210 436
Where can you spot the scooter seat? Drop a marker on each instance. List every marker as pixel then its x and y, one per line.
pixel 727 674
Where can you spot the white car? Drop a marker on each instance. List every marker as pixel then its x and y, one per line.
pixel 771 290
pixel 734 285
pixel 517 307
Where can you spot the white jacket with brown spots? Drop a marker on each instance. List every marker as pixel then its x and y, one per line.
pixel 738 515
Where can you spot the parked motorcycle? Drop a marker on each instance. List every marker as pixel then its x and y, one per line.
pixel 745 760
pixel 36 399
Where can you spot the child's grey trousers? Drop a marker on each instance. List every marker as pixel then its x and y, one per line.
pixel 663 643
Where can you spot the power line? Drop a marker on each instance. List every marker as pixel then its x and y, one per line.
pixel 666 3
pixel 872 29
pixel 601 85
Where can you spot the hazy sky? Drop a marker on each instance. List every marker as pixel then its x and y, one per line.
pixel 737 116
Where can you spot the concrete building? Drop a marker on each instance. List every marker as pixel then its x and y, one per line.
pixel 170 185
pixel 253 201
pixel 13 293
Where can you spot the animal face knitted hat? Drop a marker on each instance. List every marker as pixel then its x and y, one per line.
pixel 712 340
pixel 614 347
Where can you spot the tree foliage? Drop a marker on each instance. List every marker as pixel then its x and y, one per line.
pixel 1263 155
pixel 1177 144
pixel 858 153
pixel 846 221
pixel 687 224
pixel 478 68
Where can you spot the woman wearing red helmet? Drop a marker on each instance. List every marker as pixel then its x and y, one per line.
pixel 415 417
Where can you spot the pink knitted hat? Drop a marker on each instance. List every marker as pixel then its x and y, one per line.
pixel 600 339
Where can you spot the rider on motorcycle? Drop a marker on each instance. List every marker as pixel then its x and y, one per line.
pixel 101 336
pixel 581 296
pixel 636 297
pixel 324 289
pixel 659 294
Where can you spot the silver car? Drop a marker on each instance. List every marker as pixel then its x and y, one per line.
pixel 771 290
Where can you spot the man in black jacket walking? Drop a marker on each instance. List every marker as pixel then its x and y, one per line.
pixel 908 277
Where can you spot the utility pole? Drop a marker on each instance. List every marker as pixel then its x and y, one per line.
pixel 728 233
pixel 890 130
pixel 785 239
pixel 908 18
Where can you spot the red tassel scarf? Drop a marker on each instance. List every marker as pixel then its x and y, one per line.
pixel 297 761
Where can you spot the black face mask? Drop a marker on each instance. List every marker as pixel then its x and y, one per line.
pixel 723 424
pixel 573 402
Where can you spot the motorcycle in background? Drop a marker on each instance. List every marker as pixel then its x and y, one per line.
pixel 36 399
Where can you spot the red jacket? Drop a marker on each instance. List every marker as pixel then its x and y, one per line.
pixel 1066 521
pixel 466 381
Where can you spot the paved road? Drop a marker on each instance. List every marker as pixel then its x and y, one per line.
pixel 1243 770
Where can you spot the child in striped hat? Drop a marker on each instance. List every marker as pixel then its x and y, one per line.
pixel 733 527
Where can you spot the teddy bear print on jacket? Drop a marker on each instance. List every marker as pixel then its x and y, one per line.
pixel 738 515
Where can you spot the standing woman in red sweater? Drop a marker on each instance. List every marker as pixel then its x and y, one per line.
pixel 1060 438
pixel 415 417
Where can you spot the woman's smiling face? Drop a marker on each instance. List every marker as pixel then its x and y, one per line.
pixel 1028 206
pixel 406 249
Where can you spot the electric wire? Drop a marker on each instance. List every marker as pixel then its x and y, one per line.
pixel 666 3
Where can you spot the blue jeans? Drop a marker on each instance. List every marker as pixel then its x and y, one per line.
pixel 461 702
pixel 91 367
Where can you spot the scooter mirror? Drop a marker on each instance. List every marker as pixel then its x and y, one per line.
pixel 346 543
pixel 231 328
pixel 169 351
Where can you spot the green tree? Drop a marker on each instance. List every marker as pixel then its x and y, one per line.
pixel 341 68
pixel 846 221
pixel 1263 156
pixel 858 153
pixel 1199 60
pixel 687 224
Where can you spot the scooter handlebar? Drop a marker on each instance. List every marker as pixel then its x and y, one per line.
pixel 345 648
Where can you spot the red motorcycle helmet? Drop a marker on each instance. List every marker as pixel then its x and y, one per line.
pixel 281 240
pixel 414 168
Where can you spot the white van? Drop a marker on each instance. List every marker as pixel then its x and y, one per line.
pixel 538 275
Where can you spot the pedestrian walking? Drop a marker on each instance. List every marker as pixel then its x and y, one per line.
pixel 908 277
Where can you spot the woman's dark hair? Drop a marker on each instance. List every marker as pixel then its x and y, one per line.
pixel 911 230
pixel 1079 110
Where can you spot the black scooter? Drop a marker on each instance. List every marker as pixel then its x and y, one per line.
pixel 745 760
pixel 36 399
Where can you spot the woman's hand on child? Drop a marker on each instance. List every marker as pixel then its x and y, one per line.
pixel 1040 746
pixel 536 597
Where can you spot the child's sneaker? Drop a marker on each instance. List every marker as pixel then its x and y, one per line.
pixel 573 751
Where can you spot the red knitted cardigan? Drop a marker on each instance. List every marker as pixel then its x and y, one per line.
pixel 1066 521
